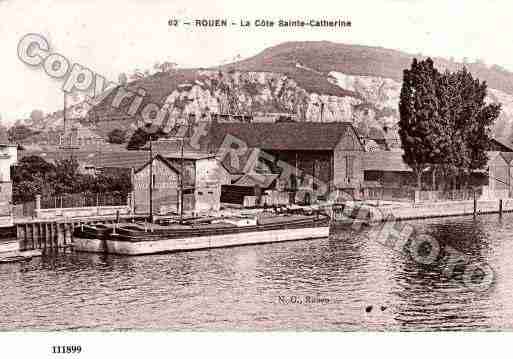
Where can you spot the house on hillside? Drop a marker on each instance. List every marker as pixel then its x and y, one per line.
pixel 308 156
pixel 78 135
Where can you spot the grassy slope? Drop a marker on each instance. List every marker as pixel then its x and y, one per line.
pixel 326 56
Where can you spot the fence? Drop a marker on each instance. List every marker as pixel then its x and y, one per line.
pixel 410 195
pixel 84 200
pixel 455 195
pixel 388 194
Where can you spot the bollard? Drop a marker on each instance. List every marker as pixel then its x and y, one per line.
pixel 33 234
pixel 52 236
pixel 60 236
pixel 25 238
pixel 39 236
pixel 475 204
pixel 19 234
pixel 67 234
pixel 43 225
pixel 500 207
pixel 49 235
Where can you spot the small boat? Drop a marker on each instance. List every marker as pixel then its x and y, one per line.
pixel 136 239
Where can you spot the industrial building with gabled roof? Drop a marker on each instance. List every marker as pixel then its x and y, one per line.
pixel 311 156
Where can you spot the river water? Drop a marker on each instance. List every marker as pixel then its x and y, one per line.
pixel 345 282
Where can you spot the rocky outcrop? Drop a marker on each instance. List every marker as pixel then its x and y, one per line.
pixel 314 81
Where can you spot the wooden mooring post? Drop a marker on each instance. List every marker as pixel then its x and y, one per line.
pixel 475 204
pixel 52 236
pixel 49 236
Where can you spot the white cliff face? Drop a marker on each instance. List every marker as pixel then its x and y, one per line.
pixel 381 99
pixel 371 104
pixel 504 125
pixel 380 91
pixel 257 92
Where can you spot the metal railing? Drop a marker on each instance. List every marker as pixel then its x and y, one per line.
pixel 75 200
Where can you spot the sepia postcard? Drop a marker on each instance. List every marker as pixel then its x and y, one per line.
pixel 255 179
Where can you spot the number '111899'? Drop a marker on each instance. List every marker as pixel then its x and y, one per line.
pixel 66 349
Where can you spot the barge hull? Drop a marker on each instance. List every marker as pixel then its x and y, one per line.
pixel 110 245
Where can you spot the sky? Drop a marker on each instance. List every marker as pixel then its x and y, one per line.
pixel 113 37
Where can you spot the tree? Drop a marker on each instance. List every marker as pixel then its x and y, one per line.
pixel 138 140
pixel 20 132
pixel 142 135
pixel 67 177
pixel 36 117
pixel 116 136
pixel 418 109
pixel 31 176
pixel 464 111
pixel 122 79
pixel 445 122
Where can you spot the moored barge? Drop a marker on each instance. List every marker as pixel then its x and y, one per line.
pixel 137 239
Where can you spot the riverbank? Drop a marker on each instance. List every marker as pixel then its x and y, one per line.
pixel 411 211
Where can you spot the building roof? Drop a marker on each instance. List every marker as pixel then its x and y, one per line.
pixel 253 179
pixel 508 156
pixel 122 159
pixel 282 136
pixel 188 155
pixel 506 146
pixel 171 145
pixel 160 158
pixel 385 161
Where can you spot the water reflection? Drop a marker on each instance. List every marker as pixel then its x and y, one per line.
pixel 367 286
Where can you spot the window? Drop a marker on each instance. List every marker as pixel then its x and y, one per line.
pixel 200 193
pixel 349 167
pixel 210 192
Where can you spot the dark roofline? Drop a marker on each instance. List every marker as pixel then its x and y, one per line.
pixel 356 135
pixel 266 136
pixel 163 159
pixel 503 143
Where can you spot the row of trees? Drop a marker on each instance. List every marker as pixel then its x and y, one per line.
pixel 444 122
pixel 33 175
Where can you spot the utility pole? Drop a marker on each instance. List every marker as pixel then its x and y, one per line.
pixel 66 146
pixel 64 113
pixel 151 182
pixel 181 180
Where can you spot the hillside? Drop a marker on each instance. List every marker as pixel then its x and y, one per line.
pixel 315 81
pixel 325 57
